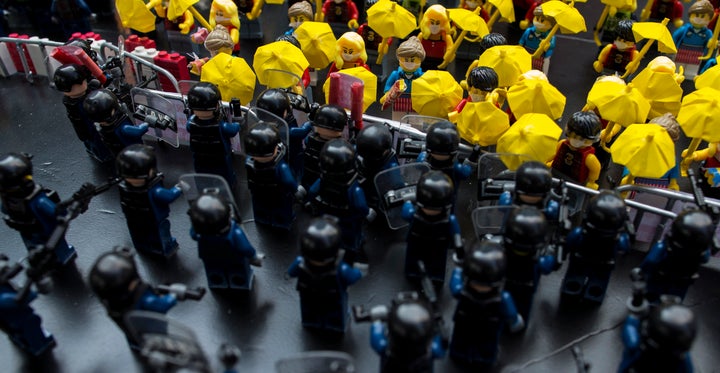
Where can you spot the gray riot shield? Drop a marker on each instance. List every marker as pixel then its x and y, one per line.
pixel 317 362
pixel 488 221
pixel 407 147
pixel 494 177
pixel 195 185
pixel 394 187
pixel 157 111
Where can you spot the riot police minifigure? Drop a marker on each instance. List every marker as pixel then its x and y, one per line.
pixel 145 201
pixel 328 123
pixel 29 208
pixel 433 227
pixel 271 183
pixel 323 278
pixel 375 153
pixel 533 182
pixel 210 133
pixel 223 247
pixel 441 147
pixel 116 129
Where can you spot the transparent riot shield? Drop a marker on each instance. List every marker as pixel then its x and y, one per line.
pixel 256 115
pixel 407 147
pixel 300 98
pixel 488 221
pixel 194 185
pixel 317 362
pixel 165 344
pixel 494 177
pixel 394 187
pixel 157 111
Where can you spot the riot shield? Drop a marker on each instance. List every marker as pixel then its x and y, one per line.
pixel 256 115
pixel 195 185
pixel 395 186
pixel 165 344
pixel 408 148
pixel 488 221
pixel 494 177
pixel 159 112
pixel 316 362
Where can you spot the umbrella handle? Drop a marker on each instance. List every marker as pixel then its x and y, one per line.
pixel 452 50
pixel 599 25
pixel 712 43
pixel 633 65
pixel 382 48
pixel 545 44
pixel 199 17
pixel 319 16
pixel 645 14
pixel 493 18
pixel 685 164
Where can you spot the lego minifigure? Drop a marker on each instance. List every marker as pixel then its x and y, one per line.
pixel 72 81
pixel 375 153
pixel 441 147
pixel 328 123
pixel 593 246
pixel 535 34
pixel 693 39
pixel 322 277
pixel 471 5
pixel 657 10
pixel 145 201
pixel 433 227
pixel 210 133
pixel 615 57
pixel 338 193
pixel 29 208
pixel 672 264
pixel 116 129
pixel 298 13
pixel 481 82
pixel 223 247
pixel 225 12
pixel 349 52
pixel 435 36
pixel 272 185
pixel 488 41
pixel 410 55
pixel 710 158
pixel 575 156
pixel 483 306
pixel 610 19
pixel 525 238
pixel 184 23
pixel 670 179
pixel 17 318
pixel 533 182
pixel 218 41
pixel 341 11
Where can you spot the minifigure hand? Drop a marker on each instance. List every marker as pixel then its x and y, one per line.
pixel 199 36
pixel 256 261
pixel 300 193
pixel 183 185
pixel 678 22
pixel 598 66
pixel 524 24
pixel 453 116
pixel 372 214
pixel 673 185
pixel 518 325
pixel 645 14
pixel 592 185
pixel 353 24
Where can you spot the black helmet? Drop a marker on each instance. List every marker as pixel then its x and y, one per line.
pixel 101 105
pixel 670 328
pixel 210 215
pixel 442 138
pixel 483 78
pixel 435 190
pixel 15 172
pixel 332 117
pixel 374 145
pixel 66 76
pixel 586 124
pixel 112 275
pixel 204 96
pixel 485 264
pixel 137 162
pixel 606 213
pixel 533 179
pixel 262 140
pixel 275 101
pixel 691 231
pixel 321 241
pixel 337 160
pixel 410 325
pixel 525 230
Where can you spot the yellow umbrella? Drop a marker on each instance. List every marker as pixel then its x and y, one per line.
pixel 536 95
pixel 389 19
pixel 177 8
pixel 567 19
pixel 133 14
pixel 502 8
pixel 699 119
pixel 469 22
pixel 317 42
pixel 232 75
pixel 658 83
pixel 618 102
pixel 710 78
pixel 534 136
pixel 645 149
pixel 508 61
pixel 482 123
pixel 653 31
pixel 435 93
pixel 280 55
pixel 368 79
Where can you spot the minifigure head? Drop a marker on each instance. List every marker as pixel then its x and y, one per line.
pixel 490 40
pixel 102 106
pixel 16 174
pixel 410 326
pixel 670 124
pixel 137 164
pixel 320 243
pixel 442 141
pixel 71 79
pixel 219 41
pixel 583 129
pixel 204 100
pixel 330 117
pixel 525 231
pixel 114 277
pixel 262 141
pixel 337 162
pixel 350 47
pixel 481 81
pixel 606 214
pixel 300 12
pixel 434 21
pixel 224 12
pixel 435 193
pixel 210 215
pixel 470 4
pixel 624 38
pixel 533 181
pixel 669 329
pixel 692 232
pixel 290 39
pixel 542 22
pixel 700 13
pixel 484 267
pixel 410 54
pixel 276 101
pixel 374 146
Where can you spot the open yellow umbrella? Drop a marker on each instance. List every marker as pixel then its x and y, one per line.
pixel 482 123
pixel 389 19
pixel 176 8
pixel 502 9
pixel 508 61
pixel 469 22
pixel 534 136
pixel 368 79
pixel 280 55
pixel 317 42
pixel 567 19
pixel 710 78
pixel 699 119
pixel 534 94
pixel 435 93
pixel 232 75
pixel 645 149
pixel 653 31
pixel 133 14
pixel 658 83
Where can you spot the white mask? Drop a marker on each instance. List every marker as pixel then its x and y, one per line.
pixel 350 57
pixel 435 29
pixel 699 22
pixel 295 24
pixel 577 143
pixel 620 45
pixel 477 97
pixel 409 66
pixel 338 1
pixel 219 19
pixel 539 26
pixel 471 4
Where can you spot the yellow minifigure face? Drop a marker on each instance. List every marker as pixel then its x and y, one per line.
pixel 296 21
pixel 541 23
pixel 409 64
pixel 578 142
pixel 699 20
